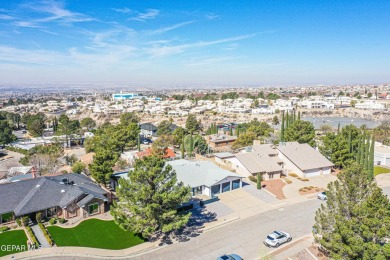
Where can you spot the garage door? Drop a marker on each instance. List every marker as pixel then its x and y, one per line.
pixel 312 173
pixel 215 189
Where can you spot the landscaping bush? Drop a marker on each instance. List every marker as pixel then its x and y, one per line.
pixel 252 178
pixel 4 228
pixel 305 179
pixel 52 221
pixel 46 234
pixel 32 236
pixel 19 222
pixel 25 221
pixel 62 220
pixel 38 217
pixel 293 175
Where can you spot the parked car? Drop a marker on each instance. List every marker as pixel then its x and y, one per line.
pixel 276 238
pixel 230 257
pixel 322 196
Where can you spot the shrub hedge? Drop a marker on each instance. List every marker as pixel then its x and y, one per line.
pixel 4 228
pixel 46 234
pixel 32 236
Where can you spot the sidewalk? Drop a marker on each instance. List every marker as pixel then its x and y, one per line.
pixel 147 246
pixel 40 236
pixel 294 248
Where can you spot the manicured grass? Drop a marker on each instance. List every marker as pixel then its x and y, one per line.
pixel 94 233
pixel 12 242
pixel 380 170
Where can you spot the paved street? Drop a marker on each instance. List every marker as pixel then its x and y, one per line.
pixel 243 237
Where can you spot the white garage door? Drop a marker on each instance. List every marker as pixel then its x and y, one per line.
pixel 312 173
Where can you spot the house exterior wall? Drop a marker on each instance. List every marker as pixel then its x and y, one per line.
pixel 206 191
pixel 289 166
pixel 239 168
pixel 84 210
pixel 381 159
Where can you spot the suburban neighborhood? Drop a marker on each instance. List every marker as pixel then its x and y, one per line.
pixel 215 130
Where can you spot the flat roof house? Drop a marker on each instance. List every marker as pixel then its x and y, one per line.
pixel 303 160
pixel 205 178
pixel 65 196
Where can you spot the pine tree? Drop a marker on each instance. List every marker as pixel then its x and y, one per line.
pixel 282 129
pixel 366 154
pixel 148 200
pixel 338 128
pixel 237 131
pixel 363 147
pixel 139 143
pixel 182 149
pixel 259 179
pixel 354 221
pixel 299 115
pixel 101 167
pixel 350 140
pixel 371 159
pixel 287 120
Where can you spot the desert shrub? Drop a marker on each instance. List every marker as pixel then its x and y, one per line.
pixel 25 221
pixel 252 178
pixel 4 228
pixel 18 221
pixel 38 217
pixel 52 221
pixel 61 220
pixel 293 175
pixel 45 233
pixel 304 179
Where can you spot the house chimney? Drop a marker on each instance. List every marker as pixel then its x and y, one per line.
pixel 34 172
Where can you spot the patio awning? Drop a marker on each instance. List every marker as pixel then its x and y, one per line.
pixel 84 201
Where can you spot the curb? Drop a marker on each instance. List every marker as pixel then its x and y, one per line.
pixel 293 243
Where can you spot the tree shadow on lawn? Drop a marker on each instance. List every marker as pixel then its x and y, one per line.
pixel 193 228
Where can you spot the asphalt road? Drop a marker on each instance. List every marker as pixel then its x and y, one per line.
pixel 243 237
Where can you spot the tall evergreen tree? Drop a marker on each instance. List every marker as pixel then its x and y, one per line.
pixel 338 128
pixel 139 143
pixel 299 115
pixel 367 154
pixel 148 200
pixel 354 222
pixel 287 120
pixel 282 128
pixel 101 167
pixel 371 159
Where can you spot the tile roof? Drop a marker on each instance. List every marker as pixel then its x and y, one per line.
pixel 259 161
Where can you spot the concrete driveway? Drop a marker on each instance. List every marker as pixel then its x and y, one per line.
pixel 292 190
pixel 383 180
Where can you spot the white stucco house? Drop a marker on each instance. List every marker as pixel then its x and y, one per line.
pixel 205 178
pixel 303 160
pixel 382 155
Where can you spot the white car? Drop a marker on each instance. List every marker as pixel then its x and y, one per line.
pixel 322 196
pixel 276 238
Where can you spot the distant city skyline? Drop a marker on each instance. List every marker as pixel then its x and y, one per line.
pixel 184 43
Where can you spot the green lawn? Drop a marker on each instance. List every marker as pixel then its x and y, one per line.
pixel 94 233
pixel 380 170
pixel 12 242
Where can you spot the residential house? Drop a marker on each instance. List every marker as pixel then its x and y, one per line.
pixel 205 178
pixel 382 155
pixel 304 160
pixel 217 141
pixel 262 159
pixel 65 196
pixel 148 130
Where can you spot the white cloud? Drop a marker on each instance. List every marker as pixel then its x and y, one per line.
pixel 212 16
pixel 147 15
pixel 161 51
pixel 124 10
pixel 56 12
pixel 170 28
pixel 6 17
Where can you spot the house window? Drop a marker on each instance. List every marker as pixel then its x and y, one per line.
pixel 197 190
pixel 235 184
pixel 7 217
pixel 93 208
pixel 51 212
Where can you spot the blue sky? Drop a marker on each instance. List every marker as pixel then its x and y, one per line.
pixel 205 42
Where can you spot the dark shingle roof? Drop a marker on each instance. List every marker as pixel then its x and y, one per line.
pixel 148 126
pixel 24 197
